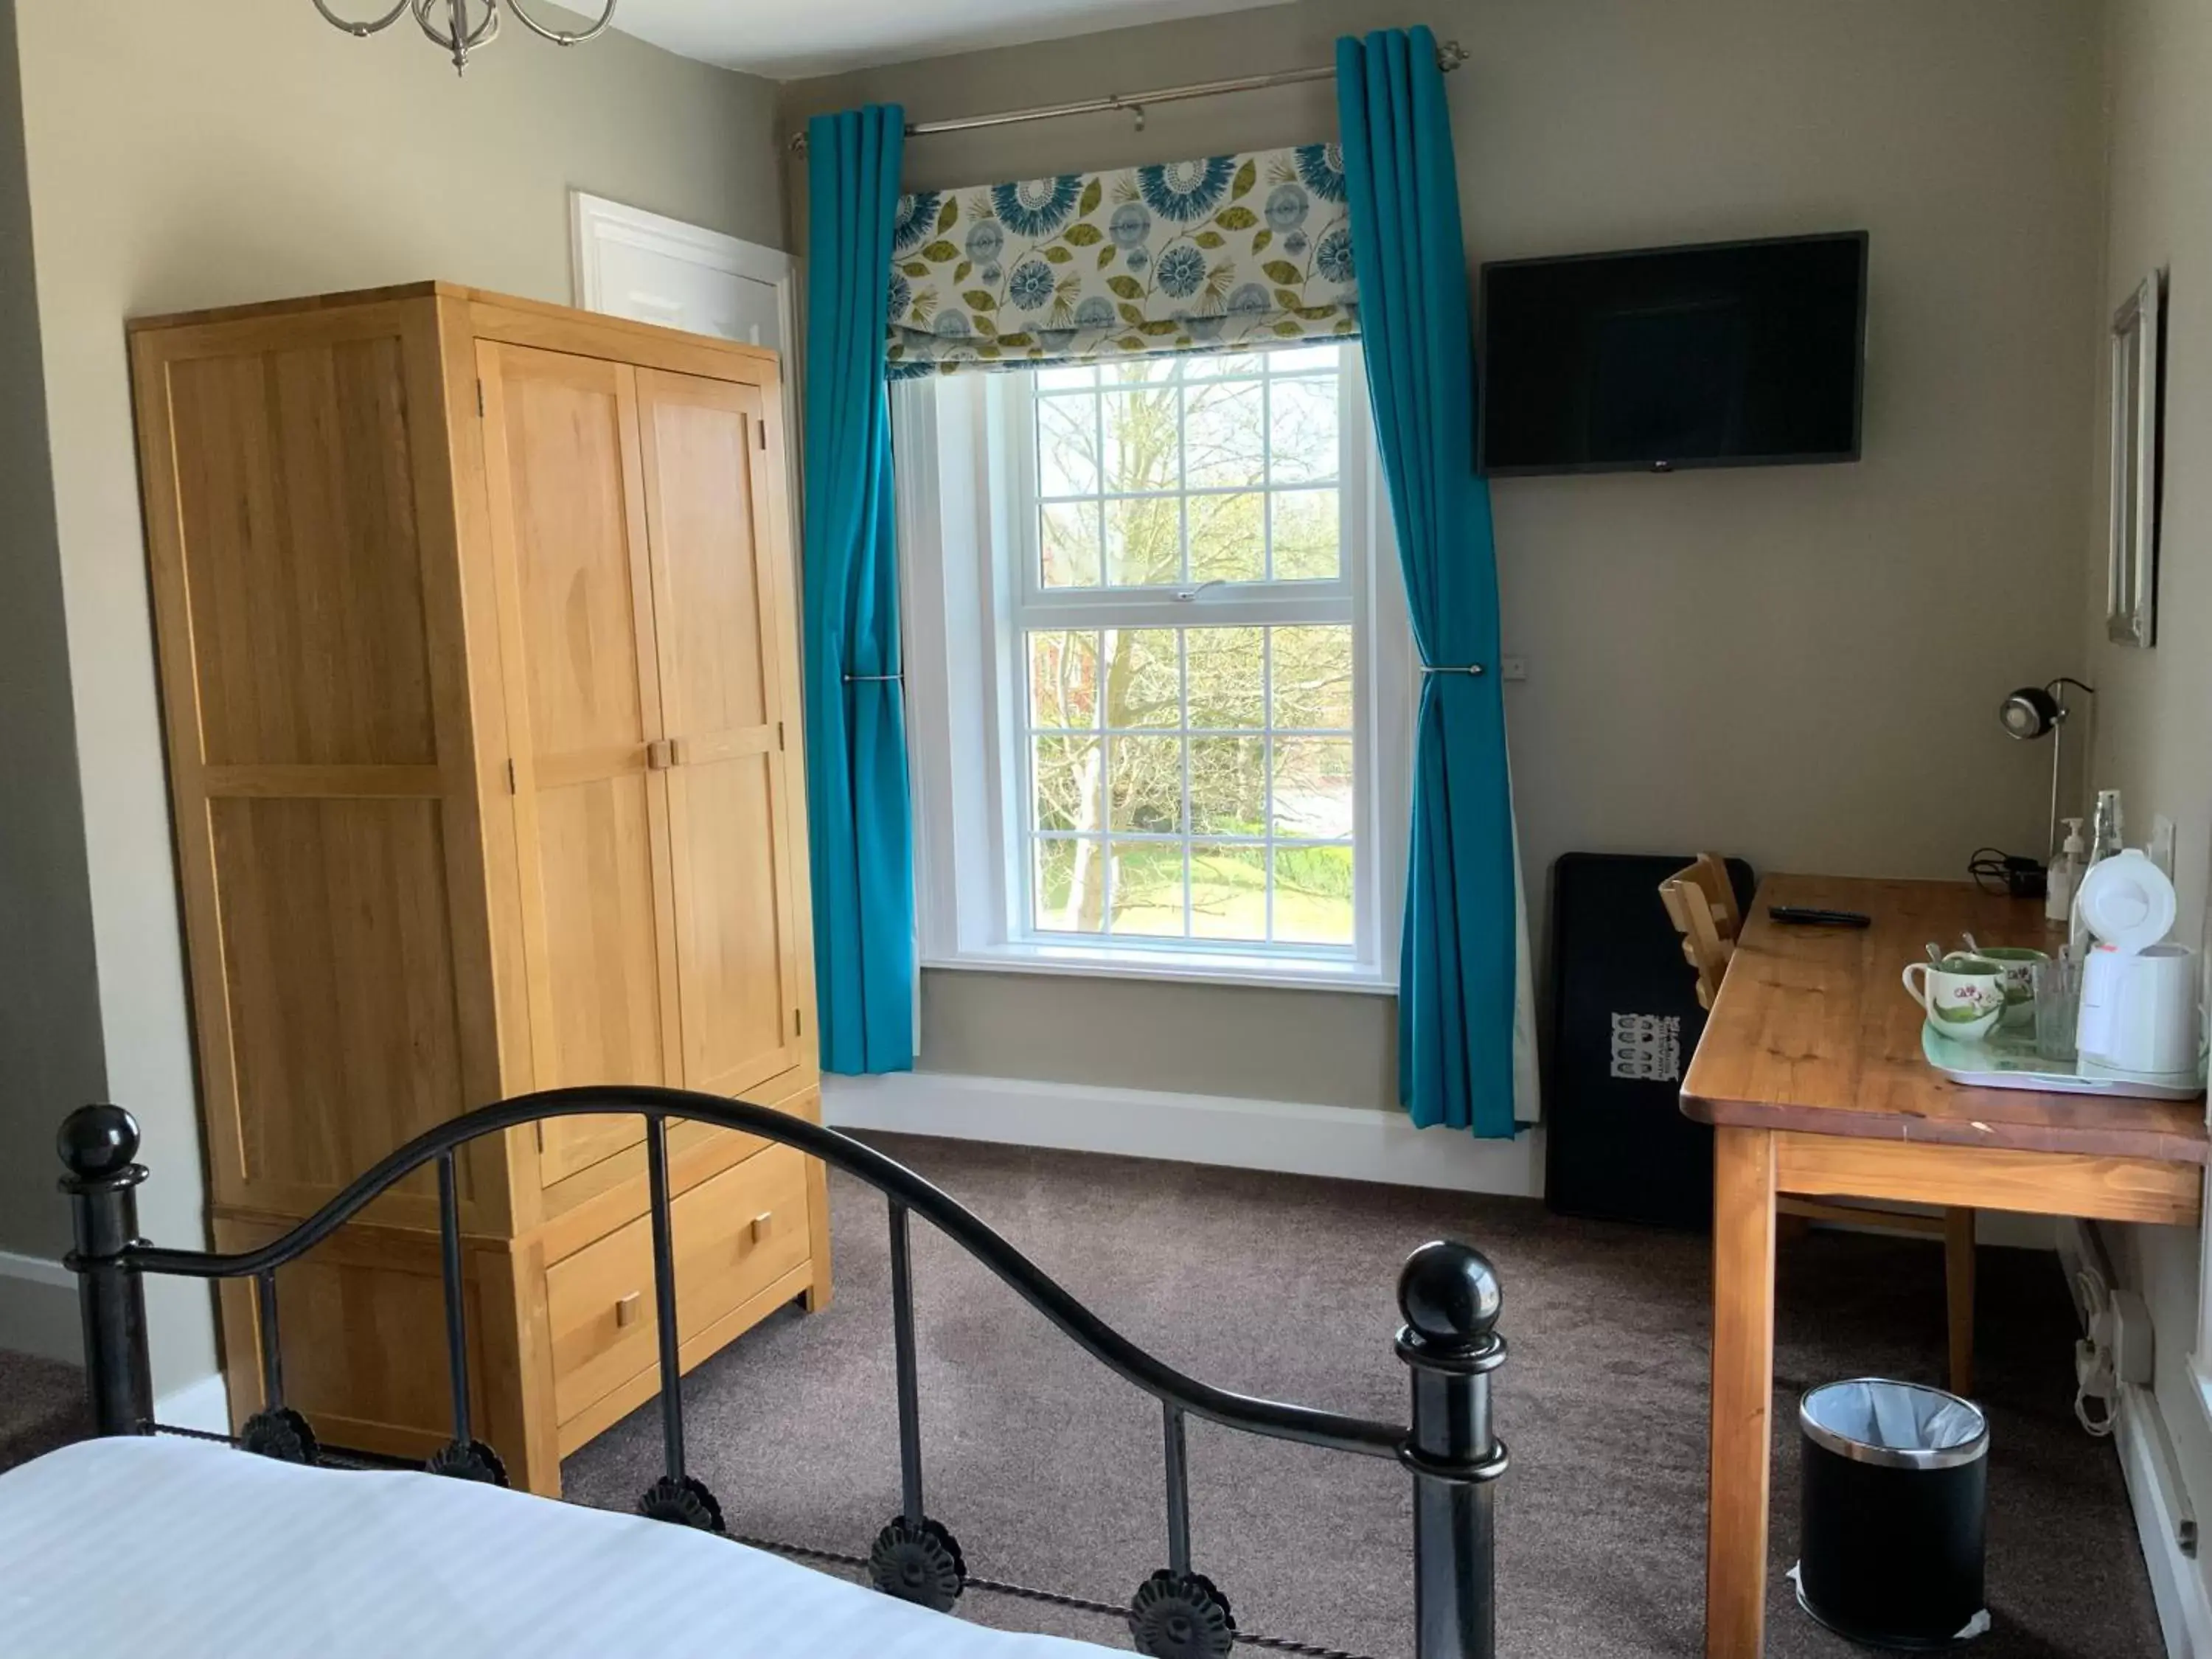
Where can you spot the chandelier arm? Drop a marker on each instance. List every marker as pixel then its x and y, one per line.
pixel 563 37
pixel 363 31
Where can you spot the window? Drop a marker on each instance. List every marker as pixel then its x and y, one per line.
pixel 1173 695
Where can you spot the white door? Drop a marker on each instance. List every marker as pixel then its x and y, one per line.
pixel 652 269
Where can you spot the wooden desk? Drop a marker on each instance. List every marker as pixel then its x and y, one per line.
pixel 1810 1073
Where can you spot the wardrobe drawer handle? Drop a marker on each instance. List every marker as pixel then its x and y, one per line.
pixel 626 1311
pixel 760 1225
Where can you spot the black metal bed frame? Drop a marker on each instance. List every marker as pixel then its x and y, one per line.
pixel 1448 1293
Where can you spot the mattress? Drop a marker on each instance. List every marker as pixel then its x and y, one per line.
pixel 159 1548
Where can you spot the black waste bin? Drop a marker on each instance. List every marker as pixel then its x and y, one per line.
pixel 1891 1516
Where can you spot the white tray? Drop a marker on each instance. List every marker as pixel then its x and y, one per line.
pixel 2008 1060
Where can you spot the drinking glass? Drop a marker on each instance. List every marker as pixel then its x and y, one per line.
pixel 2058 1005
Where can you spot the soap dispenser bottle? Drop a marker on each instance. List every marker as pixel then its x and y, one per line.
pixel 2065 875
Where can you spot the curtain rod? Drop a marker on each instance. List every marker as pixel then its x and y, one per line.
pixel 1449 56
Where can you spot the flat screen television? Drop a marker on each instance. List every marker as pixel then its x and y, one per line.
pixel 1725 353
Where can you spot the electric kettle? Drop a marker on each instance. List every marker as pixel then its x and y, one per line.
pixel 2139 995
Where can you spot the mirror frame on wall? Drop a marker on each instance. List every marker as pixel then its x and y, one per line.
pixel 2131 553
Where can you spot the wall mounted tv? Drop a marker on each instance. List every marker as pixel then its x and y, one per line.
pixel 1725 353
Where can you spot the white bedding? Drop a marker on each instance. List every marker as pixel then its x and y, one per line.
pixel 158 1548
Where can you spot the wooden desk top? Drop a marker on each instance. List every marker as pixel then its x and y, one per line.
pixel 1811 1031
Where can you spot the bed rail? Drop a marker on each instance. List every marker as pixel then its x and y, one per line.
pixel 1448 1293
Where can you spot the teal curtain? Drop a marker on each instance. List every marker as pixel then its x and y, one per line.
pixel 1458 968
pixel 856 776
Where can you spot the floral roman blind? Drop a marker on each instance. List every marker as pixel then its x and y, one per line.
pixel 1209 255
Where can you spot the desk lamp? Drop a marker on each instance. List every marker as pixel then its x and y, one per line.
pixel 2036 711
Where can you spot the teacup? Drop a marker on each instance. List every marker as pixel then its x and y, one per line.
pixel 2018 962
pixel 1963 996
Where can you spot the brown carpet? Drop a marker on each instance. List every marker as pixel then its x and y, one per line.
pixel 1048 1469
pixel 42 1406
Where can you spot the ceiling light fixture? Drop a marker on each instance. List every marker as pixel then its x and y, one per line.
pixel 460 36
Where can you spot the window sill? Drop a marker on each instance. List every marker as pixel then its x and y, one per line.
pixel 1268 973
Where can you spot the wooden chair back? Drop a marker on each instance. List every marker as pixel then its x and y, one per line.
pixel 1701 901
pixel 1712 876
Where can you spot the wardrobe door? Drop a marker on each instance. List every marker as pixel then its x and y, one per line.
pixel 576 645
pixel 716 566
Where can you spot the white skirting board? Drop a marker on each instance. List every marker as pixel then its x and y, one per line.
pixel 38 1315
pixel 2140 1436
pixel 2177 1583
pixel 1352 1142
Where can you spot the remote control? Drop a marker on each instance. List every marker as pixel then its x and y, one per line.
pixel 1810 918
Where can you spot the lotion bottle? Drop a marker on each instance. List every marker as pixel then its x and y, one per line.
pixel 2065 875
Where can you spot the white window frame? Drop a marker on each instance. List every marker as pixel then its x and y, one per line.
pixel 969 569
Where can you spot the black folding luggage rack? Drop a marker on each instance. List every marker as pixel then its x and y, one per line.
pixel 1625 1022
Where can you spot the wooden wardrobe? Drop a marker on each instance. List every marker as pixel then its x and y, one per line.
pixel 481 677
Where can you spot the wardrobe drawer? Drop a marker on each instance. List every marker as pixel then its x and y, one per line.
pixel 735 1234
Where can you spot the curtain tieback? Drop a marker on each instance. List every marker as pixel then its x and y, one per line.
pixel 1452 668
pixel 853 678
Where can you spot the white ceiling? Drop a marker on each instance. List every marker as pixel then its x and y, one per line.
pixel 788 39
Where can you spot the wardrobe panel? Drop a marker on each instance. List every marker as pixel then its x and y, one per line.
pixel 716 663
pixel 582 614
pixel 740 1019
pixel 729 826
pixel 338 978
pixel 300 554
pixel 600 969
pixel 568 515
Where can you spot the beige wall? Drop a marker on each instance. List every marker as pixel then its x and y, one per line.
pixel 50 1047
pixel 1798 665
pixel 2155 707
pixel 186 155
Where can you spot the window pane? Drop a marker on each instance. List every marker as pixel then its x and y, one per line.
pixel 1071 886
pixel 1141 371
pixel 1227 787
pixel 1144 542
pixel 1191 781
pixel 1302 430
pixel 1141 440
pixel 1312 676
pixel 1145 784
pixel 1148 889
pixel 1064 678
pixel 1313 895
pixel 1313 788
pixel 1229 892
pixel 1226 691
pixel 1065 783
pixel 1225 435
pixel 1228 538
pixel 1144 679
pixel 1071 545
pixel 1067 445
pixel 1306 534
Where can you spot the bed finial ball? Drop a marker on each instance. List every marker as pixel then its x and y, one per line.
pixel 1450 1294
pixel 98 1141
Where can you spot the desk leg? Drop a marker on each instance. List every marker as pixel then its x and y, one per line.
pixel 1959 1295
pixel 1743 1392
